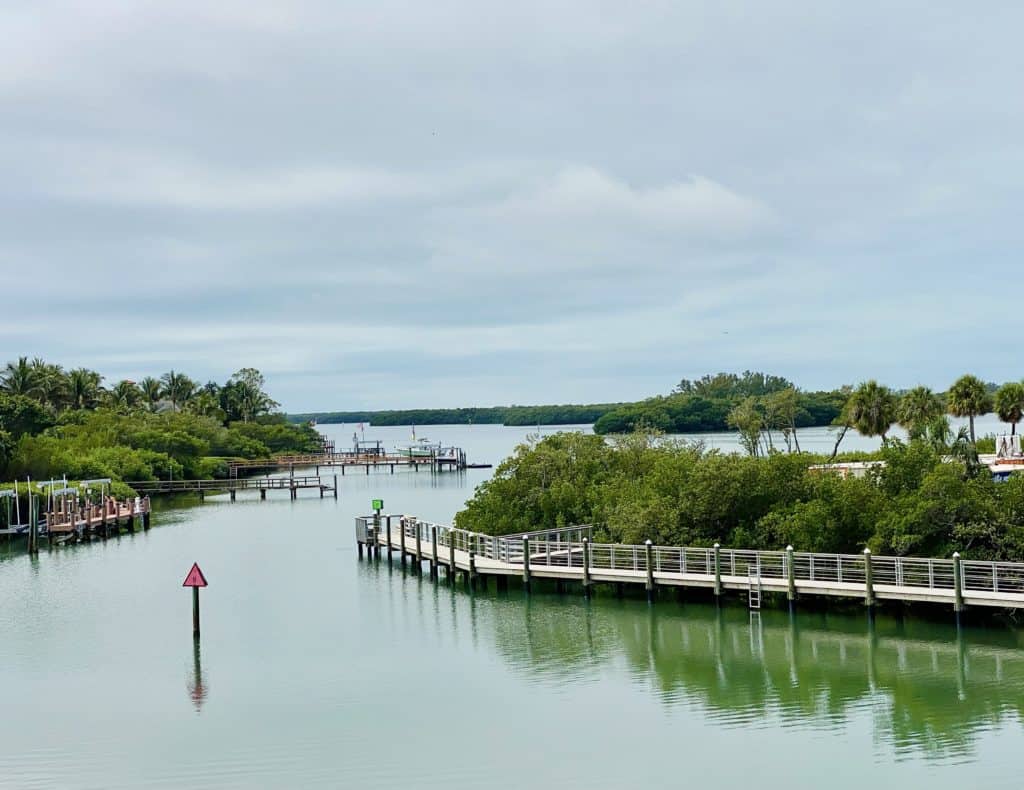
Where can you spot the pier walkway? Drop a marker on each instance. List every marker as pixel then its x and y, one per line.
pixel 450 459
pixel 569 555
pixel 291 484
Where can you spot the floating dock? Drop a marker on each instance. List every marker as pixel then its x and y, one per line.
pixel 570 555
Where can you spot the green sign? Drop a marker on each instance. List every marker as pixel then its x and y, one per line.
pixel 378 504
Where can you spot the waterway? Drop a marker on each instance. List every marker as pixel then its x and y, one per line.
pixel 318 670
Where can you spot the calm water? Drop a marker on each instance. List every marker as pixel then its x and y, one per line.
pixel 319 670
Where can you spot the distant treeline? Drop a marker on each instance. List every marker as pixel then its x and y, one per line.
pixel 486 415
pixel 705 405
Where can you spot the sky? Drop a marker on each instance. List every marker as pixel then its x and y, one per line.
pixel 407 204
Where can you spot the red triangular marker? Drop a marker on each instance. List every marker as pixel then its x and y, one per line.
pixel 195 577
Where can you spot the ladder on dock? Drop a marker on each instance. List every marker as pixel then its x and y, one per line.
pixel 754 586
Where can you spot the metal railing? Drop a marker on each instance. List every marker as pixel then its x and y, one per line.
pixel 564 548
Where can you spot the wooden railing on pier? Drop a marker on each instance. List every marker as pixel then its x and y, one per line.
pixel 95 518
pixel 570 555
pixel 231 485
pixel 456 459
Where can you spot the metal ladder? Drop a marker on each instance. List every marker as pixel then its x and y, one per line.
pixel 754 586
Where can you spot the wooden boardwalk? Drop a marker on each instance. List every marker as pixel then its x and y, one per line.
pixel 569 555
pixel 262 484
pixel 348 459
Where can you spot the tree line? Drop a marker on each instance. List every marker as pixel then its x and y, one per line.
pixel 56 422
pixel 567 414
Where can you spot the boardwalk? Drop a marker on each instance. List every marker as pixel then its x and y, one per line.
pixel 569 555
pixel 262 484
pixel 452 459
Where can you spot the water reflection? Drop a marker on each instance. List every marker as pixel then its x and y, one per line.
pixel 197 684
pixel 928 689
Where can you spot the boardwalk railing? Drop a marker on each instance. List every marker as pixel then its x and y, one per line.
pixel 564 552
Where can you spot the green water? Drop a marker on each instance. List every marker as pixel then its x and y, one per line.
pixel 316 669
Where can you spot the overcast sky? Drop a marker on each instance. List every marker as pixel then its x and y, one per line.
pixel 386 205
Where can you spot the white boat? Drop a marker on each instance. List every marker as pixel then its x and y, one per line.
pixel 421 448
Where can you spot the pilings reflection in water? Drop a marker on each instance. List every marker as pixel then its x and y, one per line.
pixel 929 689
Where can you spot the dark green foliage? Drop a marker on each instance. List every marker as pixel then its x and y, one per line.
pixel 55 424
pixel 20 415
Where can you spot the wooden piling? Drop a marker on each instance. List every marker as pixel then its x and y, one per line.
pixel 958 584
pixel 231 493
pixel 526 563
pixel 336 496
pixel 433 546
pixel 419 548
pixel 451 558
pixel 718 570
pixel 401 539
pixel 472 569
pixel 869 580
pixel 586 567
pixel 263 494
pixel 790 575
pixel 387 527
pixel 649 554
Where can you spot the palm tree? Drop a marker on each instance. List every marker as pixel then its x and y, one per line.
pixel 177 388
pixel 84 388
pixel 1009 404
pixel 52 384
pixel 125 395
pixel 20 378
pixel 152 392
pixel 968 397
pixel 871 409
pixel 917 409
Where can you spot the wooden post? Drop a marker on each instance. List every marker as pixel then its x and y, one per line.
pixel 231 493
pixel 649 553
pixel 586 567
pixel 958 584
pixel 869 580
pixel 145 513
pixel 451 558
pixel 33 525
pixel 336 496
pixel 401 539
pixel 472 568
pixel 419 548
pixel 790 576
pixel 263 494
pixel 718 570
pixel 387 528
pixel 433 546
pixel 526 563
pixel 195 612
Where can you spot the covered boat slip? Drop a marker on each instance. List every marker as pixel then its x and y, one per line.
pixel 570 555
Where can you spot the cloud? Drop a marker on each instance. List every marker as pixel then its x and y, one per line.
pixel 537 200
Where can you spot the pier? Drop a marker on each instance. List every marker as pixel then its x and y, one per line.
pixel 291 484
pixel 570 555
pixel 366 459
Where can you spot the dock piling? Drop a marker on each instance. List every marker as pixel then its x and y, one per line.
pixel 526 563
pixel 958 584
pixel 586 567
pixel 790 575
pixel 718 570
pixel 869 580
pixel 649 553
pixel 433 547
